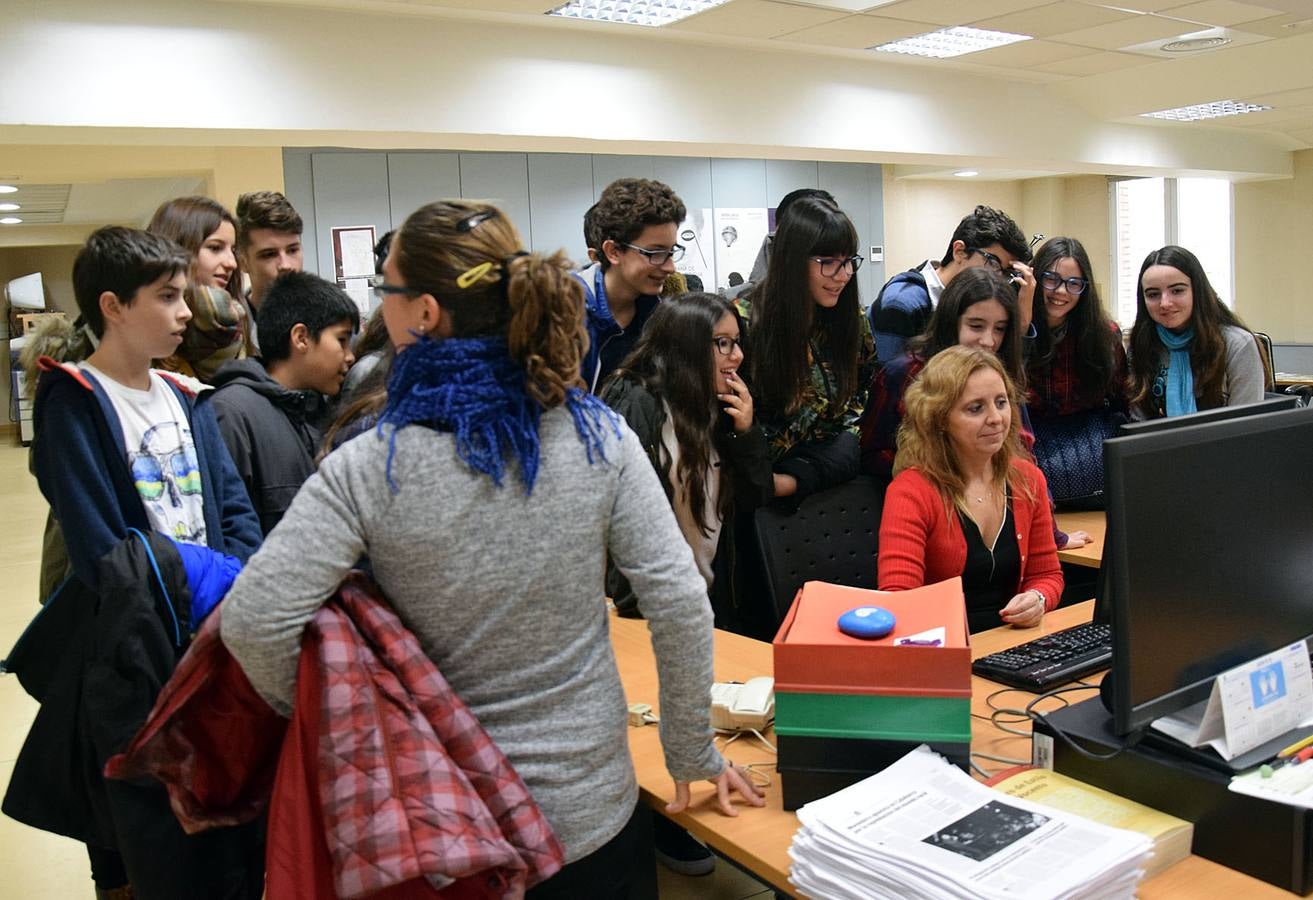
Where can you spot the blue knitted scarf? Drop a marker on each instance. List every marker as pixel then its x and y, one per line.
pixel 472 388
pixel 1180 377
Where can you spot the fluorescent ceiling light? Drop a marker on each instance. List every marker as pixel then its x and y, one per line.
pixel 9 207
pixel 1214 110
pixel 11 220
pixel 966 173
pixel 634 12
pixel 8 189
pixel 951 42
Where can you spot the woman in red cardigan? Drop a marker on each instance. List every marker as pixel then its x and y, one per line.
pixel 965 500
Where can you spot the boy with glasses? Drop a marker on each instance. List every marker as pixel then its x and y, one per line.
pixel 634 228
pixel 987 237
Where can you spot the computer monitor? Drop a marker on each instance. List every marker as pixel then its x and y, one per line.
pixel 1209 554
pixel 1221 414
pixel 1102 610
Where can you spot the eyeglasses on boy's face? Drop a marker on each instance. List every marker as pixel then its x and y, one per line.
pixel 832 265
pixel 725 345
pixel 993 261
pixel 658 257
pixel 1052 280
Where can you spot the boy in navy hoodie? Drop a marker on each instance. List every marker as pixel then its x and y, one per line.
pixel 270 410
pixel 119 449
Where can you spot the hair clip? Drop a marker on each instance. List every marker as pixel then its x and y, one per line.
pixel 474 220
pixel 473 274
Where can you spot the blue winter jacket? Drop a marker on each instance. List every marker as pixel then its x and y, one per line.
pixel 900 313
pixel 608 343
pixel 82 469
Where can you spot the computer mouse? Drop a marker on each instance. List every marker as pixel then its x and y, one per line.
pixel 867 622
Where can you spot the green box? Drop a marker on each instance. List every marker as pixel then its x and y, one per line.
pixel 873 716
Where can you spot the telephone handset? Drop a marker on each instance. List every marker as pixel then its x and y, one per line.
pixel 741 707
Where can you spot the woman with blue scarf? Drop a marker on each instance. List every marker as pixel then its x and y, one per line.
pixel 1188 351
pixel 487 499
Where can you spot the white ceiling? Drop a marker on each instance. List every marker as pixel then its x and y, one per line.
pixel 1074 41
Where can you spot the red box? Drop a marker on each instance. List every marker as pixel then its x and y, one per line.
pixel 813 656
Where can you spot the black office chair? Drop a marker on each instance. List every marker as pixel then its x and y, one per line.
pixel 832 537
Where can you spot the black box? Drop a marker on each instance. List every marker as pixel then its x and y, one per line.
pixel 815 767
pixel 1268 840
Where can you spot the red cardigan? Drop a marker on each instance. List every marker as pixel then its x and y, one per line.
pixel 921 543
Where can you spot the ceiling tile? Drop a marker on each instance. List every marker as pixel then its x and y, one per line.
pixel 756 19
pixel 955 12
pixel 1137 5
pixel 1054 18
pixel 1026 54
pixel 857 32
pixel 1289 25
pixel 1094 64
pixel 1135 30
pixel 1292 97
pixel 1221 12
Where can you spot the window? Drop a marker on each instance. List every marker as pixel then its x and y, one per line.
pixel 1148 213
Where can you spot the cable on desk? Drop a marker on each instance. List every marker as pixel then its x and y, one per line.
pixel 752 731
pixel 1134 739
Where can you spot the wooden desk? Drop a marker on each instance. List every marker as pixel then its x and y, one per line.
pixel 1095 523
pixel 758 839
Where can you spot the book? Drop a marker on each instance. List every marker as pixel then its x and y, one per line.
pixel 1171 836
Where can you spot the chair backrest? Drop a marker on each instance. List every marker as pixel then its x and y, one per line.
pixel 1265 353
pixel 832 537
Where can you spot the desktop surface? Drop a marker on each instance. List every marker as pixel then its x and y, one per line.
pixel 1092 522
pixel 758 839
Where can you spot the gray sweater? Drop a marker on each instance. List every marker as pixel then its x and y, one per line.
pixel 505 593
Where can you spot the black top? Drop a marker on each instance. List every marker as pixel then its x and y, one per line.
pixel 990 577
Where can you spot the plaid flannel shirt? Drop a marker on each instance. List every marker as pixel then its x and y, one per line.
pixel 385 777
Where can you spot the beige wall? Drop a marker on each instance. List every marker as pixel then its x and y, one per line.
pixel 1075 206
pixel 1273 229
pixel 920 215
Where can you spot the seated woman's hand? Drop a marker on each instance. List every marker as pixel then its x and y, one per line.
pixel 732 779
pixel 1078 539
pixel 1025 610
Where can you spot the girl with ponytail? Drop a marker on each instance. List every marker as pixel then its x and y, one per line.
pixel 503 583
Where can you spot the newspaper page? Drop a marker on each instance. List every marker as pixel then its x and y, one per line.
pixel 924 828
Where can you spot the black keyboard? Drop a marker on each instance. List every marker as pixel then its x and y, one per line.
pixel 1051 660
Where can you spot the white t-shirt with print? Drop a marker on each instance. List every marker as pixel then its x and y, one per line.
pixel 161 455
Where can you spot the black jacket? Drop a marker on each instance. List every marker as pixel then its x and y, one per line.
pixel 96 660
pixel 272 434
pixel 748 459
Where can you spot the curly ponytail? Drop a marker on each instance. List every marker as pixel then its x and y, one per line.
pixel 467 254
pixel 546 332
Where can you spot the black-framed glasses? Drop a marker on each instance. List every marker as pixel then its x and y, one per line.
pixel 725 345
pixel 658 257
pixel 1075 286
pixel 831 265
pixel 381 288
pixel 992 261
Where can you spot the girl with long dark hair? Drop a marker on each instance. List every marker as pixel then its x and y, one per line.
pixel 681 392
pixel 810 349
pixel 488 498
pixel 977 309
pixel 1188 350
pixel 1077 362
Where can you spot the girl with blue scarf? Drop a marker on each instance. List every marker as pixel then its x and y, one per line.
pixel 488 498
pixel 1188 351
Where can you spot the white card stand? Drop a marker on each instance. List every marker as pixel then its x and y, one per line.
pixel 1250 705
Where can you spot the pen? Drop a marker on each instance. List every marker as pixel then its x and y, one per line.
pixel 909 642
pixel 1299 757
pixel 1296 747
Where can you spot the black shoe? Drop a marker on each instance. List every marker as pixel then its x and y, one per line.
pixel 678 850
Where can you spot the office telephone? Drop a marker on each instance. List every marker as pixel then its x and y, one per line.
pixel 743 707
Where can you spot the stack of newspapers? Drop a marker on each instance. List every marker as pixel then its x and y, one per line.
pixel 922 828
